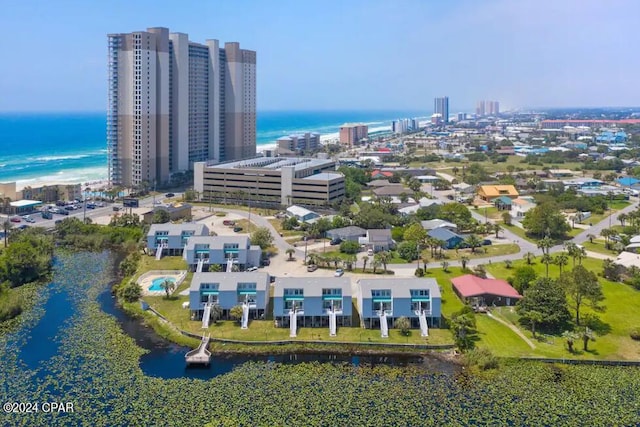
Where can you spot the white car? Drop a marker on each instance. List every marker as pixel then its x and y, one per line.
pixel 339 272
pixel 254 268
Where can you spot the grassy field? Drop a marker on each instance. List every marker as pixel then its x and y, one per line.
pixel 482 252
pixel 616 322
pixel 165 263
pixel 395 259
pixel 598 246
pixel 490 167
pixel 489 213
pixel 277 224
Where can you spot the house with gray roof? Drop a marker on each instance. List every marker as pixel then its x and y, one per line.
pixel 224 251
pixel 398 297
pixel 173 237
pixel 311 299
pixel 229 290
pixel 392 190
pixel 378 240
pixel 350 233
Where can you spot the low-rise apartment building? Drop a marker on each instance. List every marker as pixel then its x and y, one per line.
pixel 223 251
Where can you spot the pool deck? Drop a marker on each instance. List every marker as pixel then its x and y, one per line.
pixel 147 281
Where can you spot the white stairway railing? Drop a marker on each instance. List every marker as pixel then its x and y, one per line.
pixel 424 328
pixel 293 324
pixel 245 316
pixel 200 264
pixel 159 251
pixel 384 328
pixel 332 323
pixel 229 265
pixel 206 316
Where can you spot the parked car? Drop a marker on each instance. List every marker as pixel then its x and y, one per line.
pixel 15 219
pixel 70 207
pixel 228 222
pixel 116 208
pixel 29 219
pixel 237 229
pixel 254 268
pixel 339 272
pixel 61 203
pixel 272 279
pixel 23 226
pixel 169 195
pixel 370 252
pixel 58 221
pixel 90 206
pixel 47 215
pixel 100 204
pixel 335 241
pixel 266 262
pixel 311 268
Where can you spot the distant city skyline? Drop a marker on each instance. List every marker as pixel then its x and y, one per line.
pixel 525 54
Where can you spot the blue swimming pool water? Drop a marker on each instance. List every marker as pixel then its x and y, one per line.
pixel 156 283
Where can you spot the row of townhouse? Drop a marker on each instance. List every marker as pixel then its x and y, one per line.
pixel 312 300
pixel 202 251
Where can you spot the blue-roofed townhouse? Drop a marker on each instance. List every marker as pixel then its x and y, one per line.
pixel 235 252
pixel 229 290
pixel 312 299
pixel 399 297
pixel 173 237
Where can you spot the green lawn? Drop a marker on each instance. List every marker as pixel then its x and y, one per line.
pixel 518 232
pixel 482 252
pixel 165 263
pixel 620 317
pixel 489 213
pixel 277 224
pixel 598 246
pixel 395 259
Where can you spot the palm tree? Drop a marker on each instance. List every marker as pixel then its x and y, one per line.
pixel 529 256
pixel 580 255
pixel 364 263
pixel 445 266
pixel 350 260
pixel 497 229
pixel 622 218
pixel 290 252
pixel 508 263
pixel 545 244
pixel 561 260
pixel 546 260
pixel 590 237
pixel 375 264
pixel 607 233
pixel 473 242
pixel 215 268
pixel 571 337
pixel 464 260
pixel 587 335
pixel 384 257
pixel 168 286
pixel 572 250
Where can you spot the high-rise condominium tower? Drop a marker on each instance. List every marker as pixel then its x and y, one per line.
pixel 173 102
pixel 441 106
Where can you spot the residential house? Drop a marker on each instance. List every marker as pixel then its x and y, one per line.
pixel 464 189
pixel 490 192
pixel 392 190
pixel 229 290
pixel 378 174
pixel 561 173
pixel 176 212
pixel 425 202
pixel 312 299
pixel 451 240
pixel 377 240
pixel 173 237
pixel 628 259
pixel 479 291
pixel 229 252
pixel 350 233
pixel 522 205
pixel 502 203
pixel 438 223
pixel 381 183
pixel 398 297
pixel 302 214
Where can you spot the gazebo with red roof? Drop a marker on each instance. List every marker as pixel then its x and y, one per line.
pixel 485 291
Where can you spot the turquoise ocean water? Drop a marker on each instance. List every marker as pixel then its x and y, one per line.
pixel 38 148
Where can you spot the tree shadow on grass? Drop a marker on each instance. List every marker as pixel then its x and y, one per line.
pixel 596 324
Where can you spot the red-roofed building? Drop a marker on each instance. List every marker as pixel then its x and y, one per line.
pixel 378 174
pixel 480 291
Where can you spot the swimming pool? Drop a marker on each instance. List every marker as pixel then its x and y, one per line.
pixel 156 284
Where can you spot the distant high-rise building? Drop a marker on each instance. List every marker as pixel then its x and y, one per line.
pixel 441 106
pixel 353 133
pixel 487 108
pixel 415 124
pixel 400 126
pixel 173 102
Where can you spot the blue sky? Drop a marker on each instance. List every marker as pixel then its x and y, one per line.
pixel 355 54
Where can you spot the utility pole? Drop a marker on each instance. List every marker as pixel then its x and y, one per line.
pixel 305 249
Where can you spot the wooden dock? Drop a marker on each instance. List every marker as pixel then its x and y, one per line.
pixel 201 355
